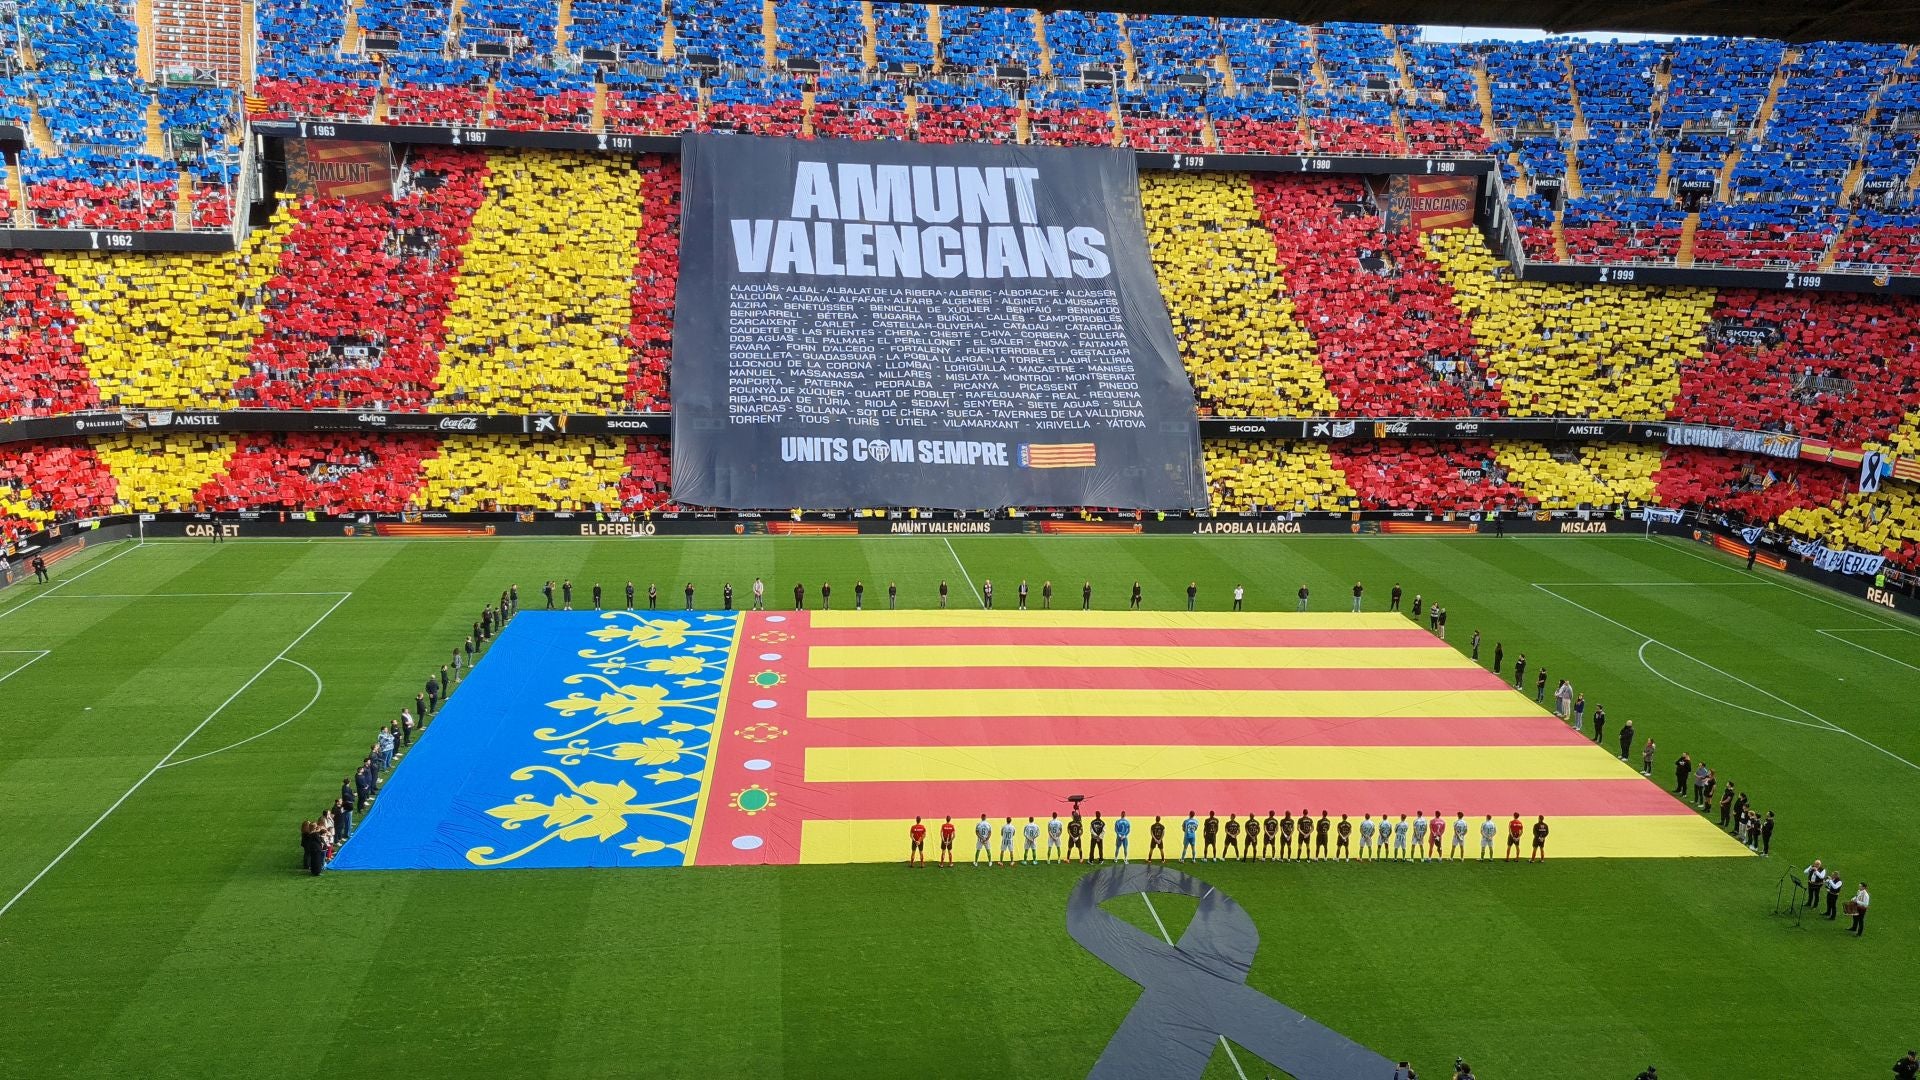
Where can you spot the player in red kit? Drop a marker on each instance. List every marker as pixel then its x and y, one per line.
pixel 946 842
pixel 919 850
pixel 1514 829
pixel 1437 830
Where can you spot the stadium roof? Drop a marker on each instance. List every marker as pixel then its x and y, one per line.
pixel 1788 20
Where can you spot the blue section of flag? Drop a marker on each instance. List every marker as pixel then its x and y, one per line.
pixel 580 739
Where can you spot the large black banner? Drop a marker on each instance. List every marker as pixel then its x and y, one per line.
pixel 876 324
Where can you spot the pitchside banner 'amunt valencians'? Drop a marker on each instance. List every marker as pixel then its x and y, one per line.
pixel 895 324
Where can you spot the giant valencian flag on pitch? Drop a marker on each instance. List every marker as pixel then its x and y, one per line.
pixel 720 738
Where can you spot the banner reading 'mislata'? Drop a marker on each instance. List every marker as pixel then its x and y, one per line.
pixel 893 324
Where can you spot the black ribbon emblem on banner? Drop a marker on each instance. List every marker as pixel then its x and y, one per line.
pixel 1196 991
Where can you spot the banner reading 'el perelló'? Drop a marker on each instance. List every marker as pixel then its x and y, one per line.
pixel 895 324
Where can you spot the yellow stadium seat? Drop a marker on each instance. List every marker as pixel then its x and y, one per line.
pixel 1571 350
pixel 1274 475
pixel 512 472
pixel 543 306
pixel 1244 349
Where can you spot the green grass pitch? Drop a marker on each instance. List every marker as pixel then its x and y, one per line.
pixel 157 925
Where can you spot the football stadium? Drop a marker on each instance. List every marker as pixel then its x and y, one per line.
pixel 815 538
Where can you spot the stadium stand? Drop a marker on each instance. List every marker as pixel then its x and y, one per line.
pixel 656 275
pixel 771 106
pixel 328 473
pixel 979 39
pixel 1169 120
pixel 1437 476
pixel 949 112
pixel 1390 339
pixel 42 483
pixel 542 308
pixel 169 330
pixel 1274 474
pixel 44 365
pixel 1803 155
pixel 651 104
pixel 1555 350
pixel 1072 117
pixel 1751 488
pixel 850 107
pixel 901 38
pixel 1261 122
pixel 498 472
pixel 356 312
pixel 1885 521
pixel 1583 476
pixel 1239 335
pixel 160 472
pixel 1830 365
pixel 647 482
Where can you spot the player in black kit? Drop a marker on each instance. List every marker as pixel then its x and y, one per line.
pixel 1074 828
pixel 1097 846
pixel 1269 830
pixel 1209 835
pixel 1232 848
pixel 1158 841
pixel 1345 829
pixel 1253 833
pixel 1303 826
pixel 1286 837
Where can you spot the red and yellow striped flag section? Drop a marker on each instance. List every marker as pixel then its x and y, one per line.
pixel 840 726
pixel 1081 455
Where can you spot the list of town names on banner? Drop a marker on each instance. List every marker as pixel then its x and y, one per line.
pixel 888 356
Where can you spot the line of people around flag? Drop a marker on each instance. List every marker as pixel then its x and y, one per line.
pixel 1271 839
pixel 1737 814
pixel 322 837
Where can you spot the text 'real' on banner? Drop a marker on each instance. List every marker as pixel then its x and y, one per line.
pixel 896 324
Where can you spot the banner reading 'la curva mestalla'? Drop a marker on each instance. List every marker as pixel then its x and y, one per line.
pixel 896 324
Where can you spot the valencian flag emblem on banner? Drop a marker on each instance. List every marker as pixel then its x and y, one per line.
pixel 721 738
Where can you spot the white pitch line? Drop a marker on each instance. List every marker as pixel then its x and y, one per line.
pixel 39 655
pixel 162 763
pixel 1867 630
pixel 1564 584
pixel 1697 692
pixel 1231 1056
pixel 1805 591
pixel 319 687
pixel 64 582
pixel 963 572
pixel 1650 639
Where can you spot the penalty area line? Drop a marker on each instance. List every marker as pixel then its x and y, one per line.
pixel 1648 639
pixel 37 654
pixel 1835 635
pixel 1168 938
pixel 64 582
pixel 1804 590
pixel 163 762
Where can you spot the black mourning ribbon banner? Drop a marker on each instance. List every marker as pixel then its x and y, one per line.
pixel 1196 991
